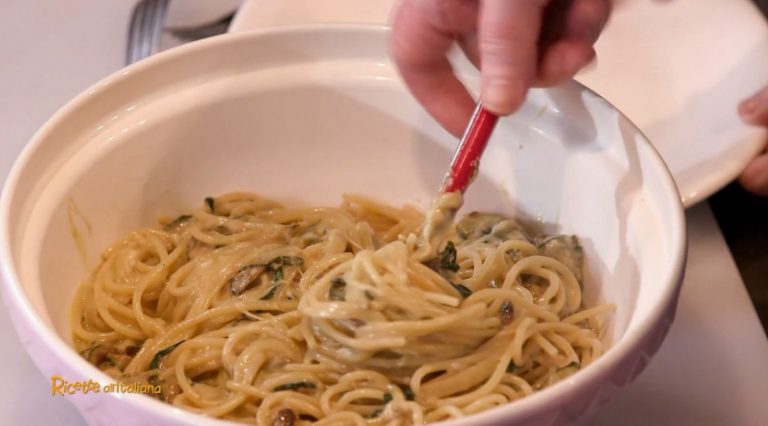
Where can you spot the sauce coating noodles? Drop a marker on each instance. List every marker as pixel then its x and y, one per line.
pixel 250 311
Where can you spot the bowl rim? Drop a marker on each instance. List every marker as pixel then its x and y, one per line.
pixel 14 294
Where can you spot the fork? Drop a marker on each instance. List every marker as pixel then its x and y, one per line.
pixel 145 29
pixel 219 26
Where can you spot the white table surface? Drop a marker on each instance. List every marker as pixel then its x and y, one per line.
pixel 712 369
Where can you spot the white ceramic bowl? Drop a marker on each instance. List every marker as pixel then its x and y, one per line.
pixel 303 115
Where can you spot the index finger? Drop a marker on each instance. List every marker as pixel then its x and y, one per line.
pixel 420 39
pixel 508 36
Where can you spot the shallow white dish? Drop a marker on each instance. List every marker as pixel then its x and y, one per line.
pixel 677 69
pixel 303 115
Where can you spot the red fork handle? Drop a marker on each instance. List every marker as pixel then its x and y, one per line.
pixel 466 159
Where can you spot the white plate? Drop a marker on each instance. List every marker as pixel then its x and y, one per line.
pixel 676 68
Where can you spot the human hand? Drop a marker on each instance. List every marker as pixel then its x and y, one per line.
pixel 754 110
pixel 515 43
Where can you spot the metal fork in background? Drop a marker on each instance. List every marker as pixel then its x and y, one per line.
pixel 145 29
pixel 187 34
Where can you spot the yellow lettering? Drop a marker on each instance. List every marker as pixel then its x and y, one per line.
pixel 60 386
pixel 57 383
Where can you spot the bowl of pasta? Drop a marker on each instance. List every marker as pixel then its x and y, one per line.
pixel 231 231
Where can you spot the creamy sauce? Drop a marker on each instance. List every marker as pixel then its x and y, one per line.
pixel 438 222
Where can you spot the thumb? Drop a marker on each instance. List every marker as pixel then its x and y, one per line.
pixel 754 178
pixel 508 33
pixel 754 110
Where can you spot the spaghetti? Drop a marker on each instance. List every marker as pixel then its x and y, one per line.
pixel 249 311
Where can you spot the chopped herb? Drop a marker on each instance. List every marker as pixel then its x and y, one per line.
pixel 409 395
pixel 387 397
pixel 515 254
pixel 285 261
pixel 369 295
pixel 162 354
pixel 463 234
pixel 475 225
pixel 248 274
pixel 245 278
pixel 176 222
pixel 222 229
pixel 433 375
pixel 285 417
pixel 354 322
pixel 506 312
pixel 463 290
pixel 131 350
pixel 295 386
pixel 337 289
pixel 211 203
pixel 99 354
pixel 567 250
pixel 271 293
pixel 511 367
pixel 448 257
pixel 87 353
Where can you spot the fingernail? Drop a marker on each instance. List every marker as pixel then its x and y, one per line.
pixel 748 108
pixel 502 96
pixel 755 176
pixel 577 62
pixel 590 65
